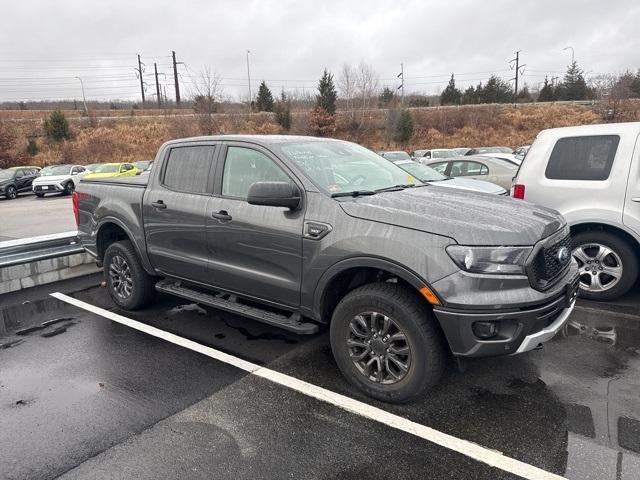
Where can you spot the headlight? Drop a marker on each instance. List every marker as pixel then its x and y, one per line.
pixel 496 260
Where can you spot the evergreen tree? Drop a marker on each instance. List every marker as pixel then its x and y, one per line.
pixel 496 91
pixel 282 110
pixel 451 95
pixel 469 96
pixel 546 92
pixel 56 126
pixel 574 86
pixel 386 98
pixel 524 96
pixel 327 94
pixel 264 100
pixel 32 147
pixel 635 85
pixel 403 130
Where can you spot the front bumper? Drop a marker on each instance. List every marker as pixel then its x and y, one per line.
pixel 47 188
pixel 520 328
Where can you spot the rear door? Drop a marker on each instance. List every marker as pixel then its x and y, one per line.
pixel 23 180
pixel 175 211
pixel 254 250
pixel 631 216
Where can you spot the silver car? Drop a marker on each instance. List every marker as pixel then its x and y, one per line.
pixel 429 175
pixel 489 169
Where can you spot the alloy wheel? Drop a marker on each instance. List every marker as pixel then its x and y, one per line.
pixel 378 348
pixel 120 276
pixel 599 266
pixel 12 193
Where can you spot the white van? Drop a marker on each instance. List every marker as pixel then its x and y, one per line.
pixel 591 174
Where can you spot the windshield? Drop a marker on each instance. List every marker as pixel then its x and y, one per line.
pixel 421 172
pixel 55 170
pixel 442 153
pixel 504 162
pixel 342 167
pixel 6 174
pixel 142 164
pixel 396 155
pixel 107 169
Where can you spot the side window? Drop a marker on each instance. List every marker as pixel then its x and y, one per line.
pixel 245 166
pixel 439 167
pixel 75 171
pixel 187 168
pixel 582 158
pixel 19 174
pixel 467 169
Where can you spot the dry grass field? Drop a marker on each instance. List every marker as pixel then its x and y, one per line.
pixel 129 138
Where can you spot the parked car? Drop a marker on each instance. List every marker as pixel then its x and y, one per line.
pixel 92 167
pixel 461 151
pixel 521 152
pixel 58 179
pixel 428 175
pixel 30 167
pixel 507 157
pixel 424 155
pixel 402 272
pixel 489 169
pixel 147 170
pixel 113 170
pixel 477 150
pixel 591 174
pixel 398 155
pixel 16 180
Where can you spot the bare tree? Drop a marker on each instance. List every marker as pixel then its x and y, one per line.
pixel 367 81
pixel 207 93
pixel 347 84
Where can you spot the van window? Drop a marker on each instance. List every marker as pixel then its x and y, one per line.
pixel 582 158
pixel 187 169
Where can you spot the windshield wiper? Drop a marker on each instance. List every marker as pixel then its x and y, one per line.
pixel 354 193
pixel 396 188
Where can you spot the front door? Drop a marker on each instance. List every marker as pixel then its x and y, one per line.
pixel 175 211
pixel 254 250
pixel 631 217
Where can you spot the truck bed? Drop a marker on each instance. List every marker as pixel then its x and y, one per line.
pixel 137 181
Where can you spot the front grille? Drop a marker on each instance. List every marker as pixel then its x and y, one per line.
pixel 547 264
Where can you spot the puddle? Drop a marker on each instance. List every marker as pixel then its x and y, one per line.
pixel 29 317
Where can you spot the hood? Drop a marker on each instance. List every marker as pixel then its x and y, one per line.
pixel 51 179
pixel 469 218
pixel 471 184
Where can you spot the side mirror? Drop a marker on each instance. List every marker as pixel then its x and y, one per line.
pixel 274 194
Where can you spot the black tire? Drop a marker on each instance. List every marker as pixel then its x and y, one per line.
pixel 39 195
pixel 621 249
pixel 413 316
pixel 69 187
pixel 11 192
pixel 142 289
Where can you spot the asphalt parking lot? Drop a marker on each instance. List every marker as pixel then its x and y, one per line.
pixel 83 396
pixel 29 216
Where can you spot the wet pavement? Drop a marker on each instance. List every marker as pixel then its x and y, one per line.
pixel 84 397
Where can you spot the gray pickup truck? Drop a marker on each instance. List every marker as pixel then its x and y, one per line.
pixel 300 231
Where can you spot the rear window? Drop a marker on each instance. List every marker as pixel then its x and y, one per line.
pixel 582 158
pixel 187 169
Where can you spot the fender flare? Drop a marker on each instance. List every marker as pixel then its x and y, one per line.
pixel 142 256
pixel 368 262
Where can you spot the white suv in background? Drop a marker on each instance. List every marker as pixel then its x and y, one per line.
pixel 58 179
pixel 591 174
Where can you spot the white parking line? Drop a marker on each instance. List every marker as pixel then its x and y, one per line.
pixel 477 452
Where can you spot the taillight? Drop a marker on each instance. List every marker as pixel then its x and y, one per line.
pixel 75 200
pixel 518 191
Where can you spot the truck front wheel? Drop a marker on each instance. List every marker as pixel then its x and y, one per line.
pixel 386 342
pixel 130 287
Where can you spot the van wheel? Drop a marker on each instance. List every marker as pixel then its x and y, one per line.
pixel 608 266
pixel 129 285
pixel 386 342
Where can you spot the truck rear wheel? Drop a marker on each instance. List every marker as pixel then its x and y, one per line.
pixel 608 266
pixel 385 341
pixel 130 287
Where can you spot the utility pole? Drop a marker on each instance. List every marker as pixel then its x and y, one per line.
pixel 155 68
pixel 84 100
pixel 175 78
pixel 518 72
pixel 249 80
pixel 140 70
pixel 401 87
pixel 572 53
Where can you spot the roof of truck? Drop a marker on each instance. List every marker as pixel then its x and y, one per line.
pixel 602 128
pixel 264 139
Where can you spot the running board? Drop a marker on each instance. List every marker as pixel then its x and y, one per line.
pixel 229 303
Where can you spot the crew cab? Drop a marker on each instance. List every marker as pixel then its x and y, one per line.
pixel 301 232
pixel 591 174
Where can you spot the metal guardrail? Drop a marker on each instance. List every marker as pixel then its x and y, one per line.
pixel 27 250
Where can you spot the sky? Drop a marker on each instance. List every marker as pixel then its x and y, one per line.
pixel 47 44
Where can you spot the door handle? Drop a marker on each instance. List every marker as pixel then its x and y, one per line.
pixel 636 199
pixel 222 215
pixel 159 205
